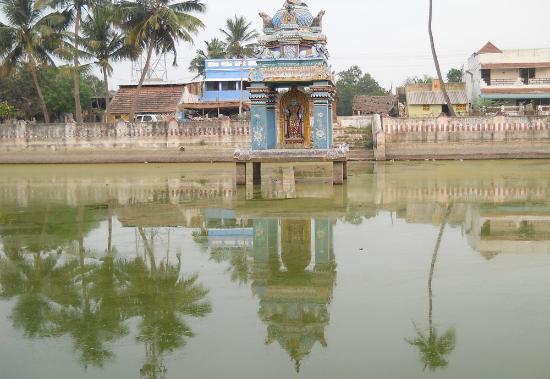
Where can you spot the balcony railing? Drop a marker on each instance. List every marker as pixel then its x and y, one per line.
pixel 539 81
pixel 516 110
pixel 516 82
pixel 503 82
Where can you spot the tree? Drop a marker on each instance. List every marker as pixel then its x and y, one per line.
pixel 76 7
pixel 239 35
pixel 352 82
pixel 215 49
pixel 426 79
pixel 157 26
pixel 455 75
pixel 31 38
pixel 436 62
pixel 6 110
pixel 58 84
pixel 105 44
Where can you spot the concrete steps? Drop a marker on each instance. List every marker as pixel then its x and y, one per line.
pixel 361 155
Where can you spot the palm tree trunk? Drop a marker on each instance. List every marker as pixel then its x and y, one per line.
pixel 107 102
pixel 141 79
pixel 436 62
pixel 39 91
pixel 432 267
pixel 77 108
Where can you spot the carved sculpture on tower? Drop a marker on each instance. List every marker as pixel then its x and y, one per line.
pixel 292 89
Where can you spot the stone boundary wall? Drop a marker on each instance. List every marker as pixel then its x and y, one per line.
pixel 223 133
pixel 463 138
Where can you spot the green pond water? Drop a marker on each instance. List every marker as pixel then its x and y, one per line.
pixel 410 270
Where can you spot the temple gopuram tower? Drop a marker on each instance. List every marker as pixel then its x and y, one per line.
pixel 292 88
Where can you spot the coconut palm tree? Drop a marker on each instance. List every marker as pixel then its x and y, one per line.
pixel 105 43
pixel 215 49
pixel 77 8
pixel 32 36
pixel 239 37
pixel 434 348
pixel 437 67
pixel 158 25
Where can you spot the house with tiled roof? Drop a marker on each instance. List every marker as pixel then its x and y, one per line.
pixel 158 98
pixel 427 99
pixel 515 76
pixel 383 105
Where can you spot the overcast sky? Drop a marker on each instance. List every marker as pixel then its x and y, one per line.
pixel 389 38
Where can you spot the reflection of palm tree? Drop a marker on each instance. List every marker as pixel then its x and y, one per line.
pixel 161 299
pixel 32 274
pixel 41 286
pixel 98 317
pixel 434 348
pixel 238 262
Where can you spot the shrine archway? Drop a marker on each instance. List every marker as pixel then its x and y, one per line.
pixel 294 119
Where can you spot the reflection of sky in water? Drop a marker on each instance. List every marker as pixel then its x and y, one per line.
pixel 272 300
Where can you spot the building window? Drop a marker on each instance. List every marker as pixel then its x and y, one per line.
pixel 461 108
pixel 486 76
pixel 526 74
pixel 229 86
pixel 212 86
pixel 426 107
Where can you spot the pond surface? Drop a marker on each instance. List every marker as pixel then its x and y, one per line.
pixel 411 270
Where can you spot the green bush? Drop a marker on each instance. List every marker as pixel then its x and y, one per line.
pixel 6 110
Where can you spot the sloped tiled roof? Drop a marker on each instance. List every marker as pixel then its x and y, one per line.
pixel 432 97
pixel 152 99
pixel 374 104
pixel 489 48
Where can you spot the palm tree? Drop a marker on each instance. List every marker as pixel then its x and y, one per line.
pixel 436 62
pixel 158 25
pixel 105 43
pixel 31 37
pixel 215 49
pixel 434 348
pixel 239 35
pixel 76 7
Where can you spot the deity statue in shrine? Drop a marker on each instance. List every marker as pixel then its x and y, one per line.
pixel 294 107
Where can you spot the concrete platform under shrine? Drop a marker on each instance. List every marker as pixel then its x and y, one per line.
pixel 249 163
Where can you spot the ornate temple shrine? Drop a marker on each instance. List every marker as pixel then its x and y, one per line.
pixel 292 88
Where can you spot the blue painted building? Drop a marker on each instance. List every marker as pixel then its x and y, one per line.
pixel 221 88
pixel 222 80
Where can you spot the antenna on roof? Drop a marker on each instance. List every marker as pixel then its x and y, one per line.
pixel 158 69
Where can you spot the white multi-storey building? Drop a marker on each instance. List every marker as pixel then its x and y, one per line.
pixel 515 76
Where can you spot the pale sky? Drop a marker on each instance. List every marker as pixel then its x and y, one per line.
pixel 389 38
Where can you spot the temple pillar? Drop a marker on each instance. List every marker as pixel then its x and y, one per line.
pixel 263 124
pixel 322 94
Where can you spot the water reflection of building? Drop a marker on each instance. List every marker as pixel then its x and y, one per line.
pixel 509 228
pixel 293 274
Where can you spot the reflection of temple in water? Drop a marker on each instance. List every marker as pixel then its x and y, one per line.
pixel 293 274
pixel 290 265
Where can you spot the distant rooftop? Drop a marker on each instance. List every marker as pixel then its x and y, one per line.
pixel 492 57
